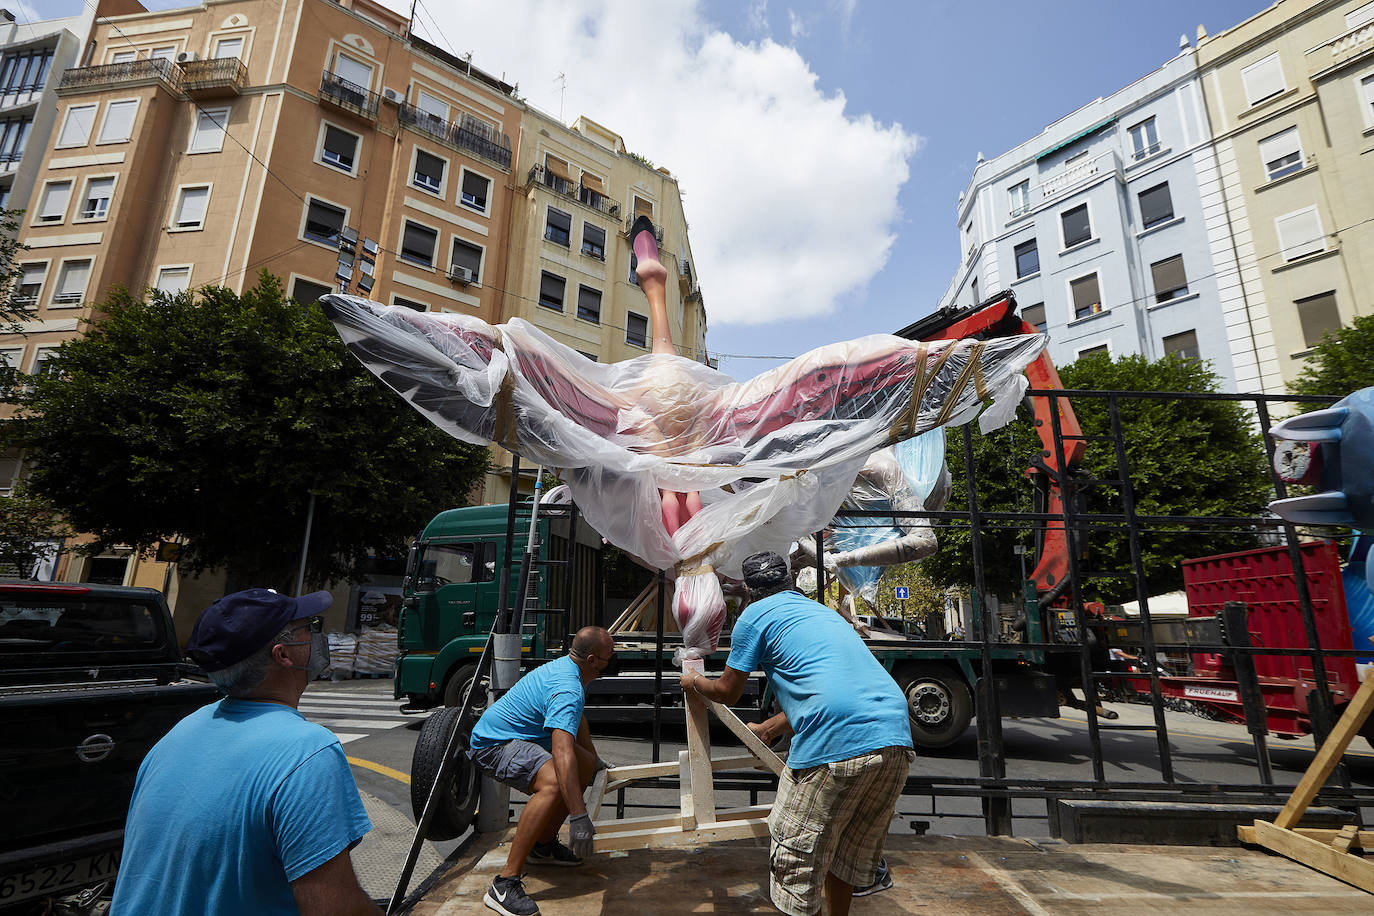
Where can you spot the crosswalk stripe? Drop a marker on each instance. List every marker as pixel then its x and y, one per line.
pixel 359 723
pixel 345 737
pixel 370 699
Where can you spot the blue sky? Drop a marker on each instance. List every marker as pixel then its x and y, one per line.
pixel 822 144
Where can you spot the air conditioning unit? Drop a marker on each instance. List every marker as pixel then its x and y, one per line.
pixel 462 275
pixel 187 56
pixel 391 95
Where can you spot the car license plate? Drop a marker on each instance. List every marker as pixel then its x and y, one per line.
pixel 51 879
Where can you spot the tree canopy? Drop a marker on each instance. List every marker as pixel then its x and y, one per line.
pixel 15 305
pixel 214 418
pixel 1185 458
pixel 1343 362
pixel 30 527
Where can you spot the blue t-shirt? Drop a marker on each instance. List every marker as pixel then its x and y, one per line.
pixel 551 696
pixel 238 800
pixel 840 700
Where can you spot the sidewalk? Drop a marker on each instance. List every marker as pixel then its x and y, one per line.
pixel 949 876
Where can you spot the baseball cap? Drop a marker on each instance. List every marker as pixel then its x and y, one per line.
pixel 237 625
pixel 764 569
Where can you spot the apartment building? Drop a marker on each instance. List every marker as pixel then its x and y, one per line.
pixel 1099 226
pixel 1290 97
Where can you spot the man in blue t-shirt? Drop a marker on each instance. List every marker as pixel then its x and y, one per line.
pixel 244 806
pixel 535 739
pixel 851 744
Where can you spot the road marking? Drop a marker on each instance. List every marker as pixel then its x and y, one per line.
pixel 345 737
pixel 1182 734
pixel 359 723
pixel 1008 884
pixel 380 768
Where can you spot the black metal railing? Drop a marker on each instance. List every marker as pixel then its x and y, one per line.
pixel 216 73
pixel 110 74
pixel 575 190
pixel 349 96
pixel 494 148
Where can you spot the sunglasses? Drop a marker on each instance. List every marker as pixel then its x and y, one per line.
pixel 314 624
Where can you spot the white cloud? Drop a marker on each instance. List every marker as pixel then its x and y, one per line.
pixel 797 24
pixel 792 199
pixel 845 10
pixel 756 17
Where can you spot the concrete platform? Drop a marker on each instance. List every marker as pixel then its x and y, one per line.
pixel 950 876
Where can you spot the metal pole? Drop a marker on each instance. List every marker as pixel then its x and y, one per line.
pixel 502 623
pixel 305 545
pixel 658 672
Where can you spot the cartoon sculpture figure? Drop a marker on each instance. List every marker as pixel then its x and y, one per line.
pixel 670 460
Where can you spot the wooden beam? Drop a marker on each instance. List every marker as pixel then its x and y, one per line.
pixel 1342 840
pixel 699 756
pixel 621 775
pixel 1315 854
pixel 595 792
pixel 686 801
pixel 669 837
pixel 614 826
pixel 1362 839
pixel 1328 755
pixel 751 740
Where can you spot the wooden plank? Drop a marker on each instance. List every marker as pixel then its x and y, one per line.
pixel 686 801
pixel 620 776
pixel 1342 840
pixel 1328 755
pixel 676 837
pixel 632 611
pixel 751 740
pixel 1362 839
pixel 595 792
pixel 1310 852
pixel 616 826
pixel 699 753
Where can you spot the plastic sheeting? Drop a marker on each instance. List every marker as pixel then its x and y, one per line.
pixel 772 457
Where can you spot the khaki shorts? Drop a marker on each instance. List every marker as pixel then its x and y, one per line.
pixel 832 819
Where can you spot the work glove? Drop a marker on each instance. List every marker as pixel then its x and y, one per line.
pixel 581 831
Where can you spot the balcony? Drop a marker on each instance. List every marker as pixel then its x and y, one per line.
pixel 1343 49
pixel 489 145
pixel 578 192
pixel 80 79
pixel 686 281
pixel 1077 173
pixel 350 97
pixel 211 79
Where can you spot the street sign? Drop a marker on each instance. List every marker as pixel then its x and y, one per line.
pixel 903 593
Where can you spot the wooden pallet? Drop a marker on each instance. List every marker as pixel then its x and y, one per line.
pixel 1325 850
pixel 697 820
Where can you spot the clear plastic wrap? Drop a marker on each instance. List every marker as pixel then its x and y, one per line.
pixel 772 457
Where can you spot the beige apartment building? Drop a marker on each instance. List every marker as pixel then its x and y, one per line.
pixel 1290 98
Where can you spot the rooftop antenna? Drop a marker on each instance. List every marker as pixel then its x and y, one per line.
pixel 562 90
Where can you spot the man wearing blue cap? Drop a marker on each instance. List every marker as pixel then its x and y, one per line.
pixel 244 806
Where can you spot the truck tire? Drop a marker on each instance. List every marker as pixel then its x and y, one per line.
pixel 457 688
pixel 938 705
pixel 456 799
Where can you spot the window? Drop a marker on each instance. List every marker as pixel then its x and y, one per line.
pixel 338 148
pixel 1034 315
pixel 975 291
pixel 466 258
pixel 589 304
pixel 1101 349
pixel 53 208
pixel 1281 153
pixel 551 290
pixel 558 229
pixel 324 222
pixel 96 201
pixel 14 134
pixel 1319 316
pixel 636 330
pixel 1156 206
pixel 207 134
pixel 1027 258
pixel 1087 300
pixel 1144 140
pixel 409 303
pixel 1077 226
pixel 429 172
pixel 1263 80
pixel 166 52
pixel 643 207
pixel 123 57
pixel 1020 197
pixel 418 244
pixel 229 47
pixel 118 125
pixel 23 75
pixel 1183 345
pixel 190 211
pixel 173 280
pixel 434 107
pixel 306 291
pixel 475 190
pixel 1359 17
pixel 1367 100
pixel 594 241
pixel 353 71
pixel 76 126
pixel 71 282
pixel 1170 280
pixel 30 285
pixel 1300 233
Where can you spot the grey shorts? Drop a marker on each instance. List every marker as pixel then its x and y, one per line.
pixel 514 763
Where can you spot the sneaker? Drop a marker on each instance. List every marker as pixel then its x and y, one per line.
pixel 507 895
pixel 882 880
pixel 554 853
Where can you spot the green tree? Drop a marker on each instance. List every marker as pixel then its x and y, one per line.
pixel 1185 457
pixel 1343 362
pixel 216 417
pixel 924 596
pixel 14 307
pixel 28 526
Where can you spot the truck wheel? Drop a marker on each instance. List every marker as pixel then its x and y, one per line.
pixel 456 799
pixel 457 688
pixel 938 705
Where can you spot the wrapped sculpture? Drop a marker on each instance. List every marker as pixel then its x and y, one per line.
pixel 671 460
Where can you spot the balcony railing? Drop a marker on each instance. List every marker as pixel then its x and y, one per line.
pixel 1077 173
pixel 494 148
pixel 219 76
pixel 1341 50
pixel 577 191
pixel 130 71
pixel 349 96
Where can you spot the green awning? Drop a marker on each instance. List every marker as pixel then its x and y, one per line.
pixel 1076 137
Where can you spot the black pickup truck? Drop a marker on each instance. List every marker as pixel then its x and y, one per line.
pixel 91 677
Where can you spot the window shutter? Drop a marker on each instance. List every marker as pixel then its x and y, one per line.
pixel 1169 278
pixel 1263 79
pixel 1318 315
pixel 592 183
pixel 55 201
pixel 74 277
pixel 1300 233
pixel 1086 299
pixel 192 209
pixel 1156 205
pixel 469 256
pixel 551 288
pixel 76 129
pixel 643 208
pixel 557 166
pixel 588 303
pixel 119 122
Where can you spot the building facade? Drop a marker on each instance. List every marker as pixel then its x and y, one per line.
pixel 1290 97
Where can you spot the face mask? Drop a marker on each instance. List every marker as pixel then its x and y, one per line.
pixel 319 656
